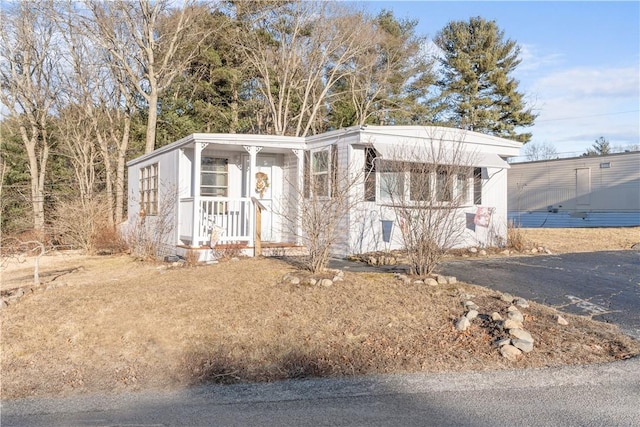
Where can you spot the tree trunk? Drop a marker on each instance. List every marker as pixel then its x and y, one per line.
pixel 120 169
pixel 152 119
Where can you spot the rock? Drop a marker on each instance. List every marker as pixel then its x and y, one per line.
pixel 442 280
pixel 510 352
pixel 3 304
pixel 482 253
pixel 506 297
pixel 430 281
pixel 506 252
pixel 521 302
pixel 463 324
pixel 503 342
pixel 418 282
pixel 234 259
pixel 468 303
pixel 402 277
pixel 452 280
pixel 466 296
pixel 473 307
pixel 339 273
pixel 562 321
pixel 521 334
pixel 473 250
pixel 495 316
pixel 548 252
pixel 338 279
pixel 294 280
pixel 512 324
pixel 524 345
pixel 372 261
pixel 312 281
pixel 18 293
pixel 326 283
pixel 636 246
pixel 516 315
pixel 534 251
pixel 512 308
pixel 471 314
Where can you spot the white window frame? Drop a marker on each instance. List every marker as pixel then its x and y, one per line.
pixel 148 181
pixel 317 171
pixel 461 184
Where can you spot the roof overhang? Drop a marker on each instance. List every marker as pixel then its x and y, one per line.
pixel 438 154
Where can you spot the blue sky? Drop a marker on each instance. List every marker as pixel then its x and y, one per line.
pixel 580 67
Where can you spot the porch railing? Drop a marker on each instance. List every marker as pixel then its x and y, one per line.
pixel 229 218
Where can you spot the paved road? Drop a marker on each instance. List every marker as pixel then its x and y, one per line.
pixel 595 395
pixel 605 285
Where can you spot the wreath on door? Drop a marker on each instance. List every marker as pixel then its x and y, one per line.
pixel 262 183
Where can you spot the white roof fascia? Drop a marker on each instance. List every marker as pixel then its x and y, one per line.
pixel 480 142
pixel 233 139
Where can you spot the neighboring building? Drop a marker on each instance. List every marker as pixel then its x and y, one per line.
pixel 593 191
pixel 208 184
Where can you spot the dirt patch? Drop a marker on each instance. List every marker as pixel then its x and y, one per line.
pixel 116 324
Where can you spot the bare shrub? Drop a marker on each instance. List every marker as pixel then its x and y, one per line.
pixel 516 239
pixel 317 211
pixel 81 222
pixel 426 198
pixel 229 250
pixel 149 236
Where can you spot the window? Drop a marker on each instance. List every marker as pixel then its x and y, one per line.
pixel 370 175
pixel 477 186
pixel 391 186
pixel 214 177
pixel 321 172
pixel 420 186
pixel 149 190
pixel 444 185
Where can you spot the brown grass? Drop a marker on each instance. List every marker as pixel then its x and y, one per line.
pixel 562 240
pixel 120 324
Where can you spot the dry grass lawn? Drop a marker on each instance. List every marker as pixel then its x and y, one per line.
pixel 120 324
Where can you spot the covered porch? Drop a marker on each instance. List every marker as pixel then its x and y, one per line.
pixel 237 192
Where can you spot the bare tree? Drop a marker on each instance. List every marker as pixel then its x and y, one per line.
pixel 426 198
pixel 28 72
pixel 148 52
pixel 102 92
pixel 540 151
pixel 316 212
pixel 300 50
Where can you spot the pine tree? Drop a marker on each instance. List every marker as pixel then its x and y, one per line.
pixel 477 90
pixel 599 148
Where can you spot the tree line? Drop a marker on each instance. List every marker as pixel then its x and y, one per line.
pixel 87 85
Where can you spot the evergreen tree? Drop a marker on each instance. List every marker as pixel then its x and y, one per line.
pixel 389 82
pixel 477 90
pixel 599 148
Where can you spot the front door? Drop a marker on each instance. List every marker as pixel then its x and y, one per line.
pixel 263 191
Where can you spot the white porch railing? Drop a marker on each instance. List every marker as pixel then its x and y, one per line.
pixel 231 216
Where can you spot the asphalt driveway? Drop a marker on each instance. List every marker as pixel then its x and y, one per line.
pixel 605 285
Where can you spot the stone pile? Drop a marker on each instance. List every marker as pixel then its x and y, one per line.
pixel 303 278
pixel 436 280
pixel 518 340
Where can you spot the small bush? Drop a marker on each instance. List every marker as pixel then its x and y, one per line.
pixel 516 239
